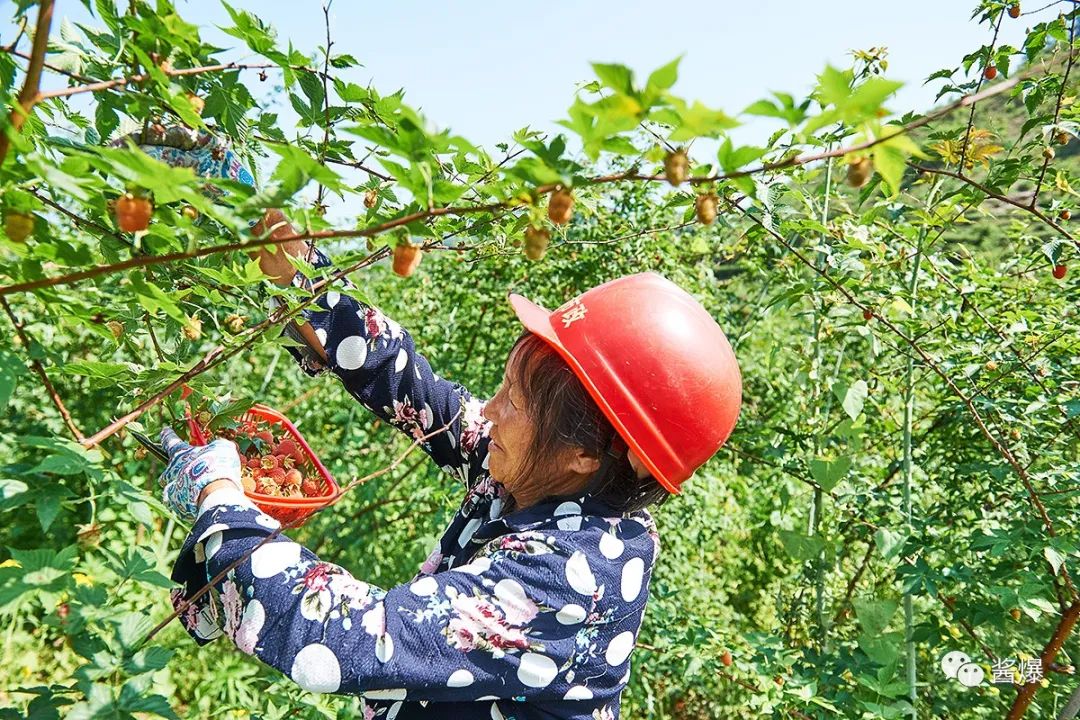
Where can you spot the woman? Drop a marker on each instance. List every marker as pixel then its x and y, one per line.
pixel 530 603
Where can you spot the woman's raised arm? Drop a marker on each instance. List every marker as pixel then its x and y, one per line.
pixel 374 357
pixel 379 365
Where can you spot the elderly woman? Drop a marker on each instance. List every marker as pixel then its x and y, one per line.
pixel 530 604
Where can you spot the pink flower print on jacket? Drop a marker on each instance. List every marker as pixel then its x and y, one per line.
pixel 433 561
pixel 412 420
pixel 474 426
pixel 232 607
pixel 478 624
pixel 376 325
pixel 327 587
pixel 247 635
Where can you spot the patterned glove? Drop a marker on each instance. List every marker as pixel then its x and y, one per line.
pixel 191 469
pixel 180 146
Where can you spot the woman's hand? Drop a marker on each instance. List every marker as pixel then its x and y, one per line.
pixel 191 469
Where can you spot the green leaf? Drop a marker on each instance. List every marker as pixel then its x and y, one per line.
pixel 764 108
pixel 64 458
pixel 153 298
pixel 148 660
pixel 828 473
pixel 851 398
pixel 890 157
pixel 889 542
pixel 700 121
pixel 834 86
pixel 874 615
pixel 617 77
pixel 343 60
pixel 732 158
pixel 297 168
pixel 47 502
pixel 664 77
pixel 11 367
pixel 1055 558
pixel 801 547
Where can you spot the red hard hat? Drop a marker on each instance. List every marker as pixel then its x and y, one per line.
pixel 656 363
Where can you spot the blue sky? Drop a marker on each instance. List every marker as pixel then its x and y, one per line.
pixel 486 69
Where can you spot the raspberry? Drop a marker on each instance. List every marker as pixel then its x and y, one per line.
pixel 254 463
pixel 277 475
pixel 293 477
pixel 249 483
pixel 265 436
pixel 286 447
pixel 270 462
pixel 311 487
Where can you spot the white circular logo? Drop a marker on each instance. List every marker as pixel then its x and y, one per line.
pixel 970 674
pixel 952 662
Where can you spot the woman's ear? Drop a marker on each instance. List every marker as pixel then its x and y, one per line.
pixel 583 464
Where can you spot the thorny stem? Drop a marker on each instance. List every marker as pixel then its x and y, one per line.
pixel 971 115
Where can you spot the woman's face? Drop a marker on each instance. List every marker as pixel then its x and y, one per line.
pixel 511 430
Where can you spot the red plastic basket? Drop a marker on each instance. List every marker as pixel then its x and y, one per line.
pixel 285 510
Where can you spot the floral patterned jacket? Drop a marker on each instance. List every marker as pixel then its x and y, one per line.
pixel 531 614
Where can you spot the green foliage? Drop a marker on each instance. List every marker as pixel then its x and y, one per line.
pixel 787 269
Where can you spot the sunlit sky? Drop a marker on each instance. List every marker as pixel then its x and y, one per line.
pixel 486 69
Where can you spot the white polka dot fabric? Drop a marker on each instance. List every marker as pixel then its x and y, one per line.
pixel 525 615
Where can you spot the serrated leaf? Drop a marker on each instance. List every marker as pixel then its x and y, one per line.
pixel 664 77
pixel 617 77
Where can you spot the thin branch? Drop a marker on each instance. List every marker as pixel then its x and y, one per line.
pixel 243 245
pixel 543 189
pixel 950 603
pixel 854 581
pixel 326 97
pixel 219 354
pixel 1000 198
pixel 1057 110
pixel 101 229
pixel 52 68
pixel 39 370
pixel 754 689
pixel 31 86
pixel 1006 343
pixel 971 115
pixel 143 77
pixel 926 358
